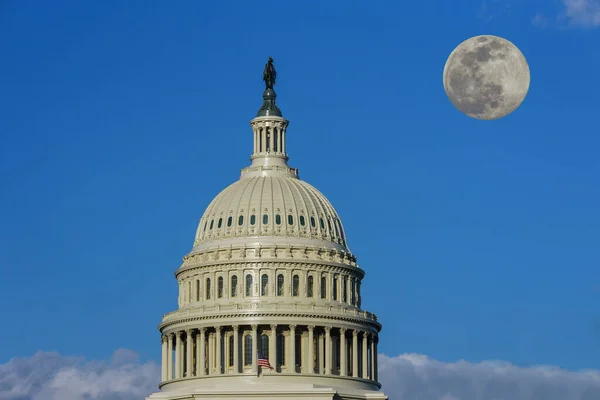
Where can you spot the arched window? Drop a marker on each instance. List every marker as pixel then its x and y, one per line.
pixel 233 286
pixel 309 288
pixel 264 346
pixel 280 350
pixel 208 288
pixel 206 223
pixel 265 219
pixel 212 222
pixel 295 285
pixel 220 287
pixel 229 220
pixel 220 222
pixel 322 223
pixel 344 291
pixel 278 219
pixel 302 220
pixel 323 287
pixel 248 285
pixel 197 289
pixel 290 219
pixel 248 350
pixel 252 219
pixel 264 285
pixel 241 220
pixel 335 288
pixel 231 344
pixel 353 292
pixel 280 285
pixel 312 222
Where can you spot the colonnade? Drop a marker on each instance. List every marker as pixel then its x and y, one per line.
pixel 290 349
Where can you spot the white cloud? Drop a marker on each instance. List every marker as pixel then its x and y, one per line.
pixel 584 13
pixel 51 376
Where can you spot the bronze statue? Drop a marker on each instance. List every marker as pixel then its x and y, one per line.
pixel 269 75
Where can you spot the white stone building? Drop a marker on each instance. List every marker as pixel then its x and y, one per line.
pixel 270 272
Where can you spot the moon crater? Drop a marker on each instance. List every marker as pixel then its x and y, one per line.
pixel 486 77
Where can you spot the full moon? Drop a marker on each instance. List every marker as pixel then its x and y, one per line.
pixel 486 77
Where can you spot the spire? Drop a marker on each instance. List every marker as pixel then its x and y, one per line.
pixel 269 127
pixel 269 107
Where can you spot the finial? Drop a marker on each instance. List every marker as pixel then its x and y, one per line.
pixel 269 108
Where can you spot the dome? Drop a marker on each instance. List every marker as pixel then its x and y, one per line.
pixel 268 207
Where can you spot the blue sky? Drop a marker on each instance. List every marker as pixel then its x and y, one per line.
pixel 120 121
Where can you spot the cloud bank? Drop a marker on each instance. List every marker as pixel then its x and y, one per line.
pixel 51 376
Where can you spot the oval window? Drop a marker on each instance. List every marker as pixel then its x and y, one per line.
pixel 265 219
pixel 278 219
pixel 212 223
pixel 312 222
pixel 229 221
pixel 220 222
pixel 290 219
pixel 302 221
pixel 252 219
pixel 241 220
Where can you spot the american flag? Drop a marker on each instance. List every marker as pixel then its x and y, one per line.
pixel 264 362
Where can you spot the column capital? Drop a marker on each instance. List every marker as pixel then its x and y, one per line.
pixel 163 338
pixel 366 334
pixel 254 327
pixel 355 332
pixel 327 329
pixel 343 331
pixel 236 328
pixel 292 327
pixel 202 330
pixel 179 334
pixel 218 329
pixel 274 326
pixel 189 332
pixel 311 327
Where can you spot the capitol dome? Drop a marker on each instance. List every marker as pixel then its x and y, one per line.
pixel 269 207
pixel 269 297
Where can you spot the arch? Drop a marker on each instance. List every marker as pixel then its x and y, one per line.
pixel 234 282
pixel 248 350
pixel 264 285
pixel 280 282
pixel 309 286
pixel 295 285
pixel 249 285
pixel 220 287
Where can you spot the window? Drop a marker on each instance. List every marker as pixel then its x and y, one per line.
pixel 229 221
pixel 252 219
pixel 231 349
pixel 278 219
pixel 248 285
pixel 312 222
pixel 280 349
pixel 323 287
pixel 302 220
pixel 309 289
pixel 265 219
pixel 220 287
pixel 212 221
pixel 295 285
pixel 241 220
pixel 290 219
pixel 197 289
pixel 298 349
pixel 207 288
pixel 248 350
pixel 220 222
pixel 322 223
pixel 344 291
pixel 264 346
pixel 352 292
pixel 206 223
pixel 233 286
pixel 275 135
pixel 264 285
pixel 280 285
pixel 335 288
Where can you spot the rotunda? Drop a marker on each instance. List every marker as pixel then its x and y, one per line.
pixel 269 296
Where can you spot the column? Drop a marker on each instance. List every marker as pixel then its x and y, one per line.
pixel 202 352
pixel 178 355
pixel 292 346
pixel 273 346
pixel 348 290
pixel 355 353
pixel 264 140
pixel 189 352
pixel 375 368
pixel 283 139
pixel 255 139
pixel 327 350
pixel 321 359
pixel 218 348
pixel 254 349
pixel 198 345
pixel 311 355
pixel 365 347
pixel 163 364
pixel 211 353
pixel 236 349
pixel 343 357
